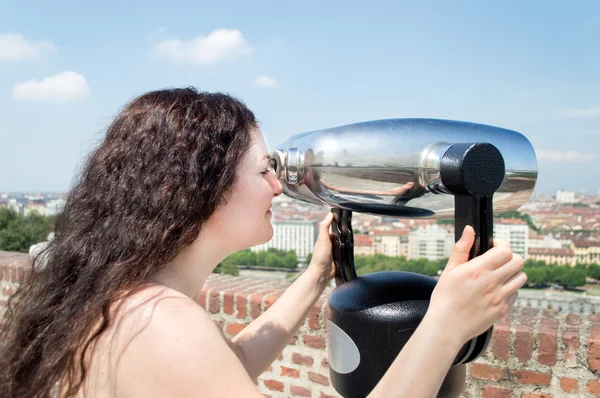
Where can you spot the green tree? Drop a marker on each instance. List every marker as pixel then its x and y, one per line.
pixel 227 267
pixel 18 233
pixel 536 275
pixel 308 258
pixel 573 278
pixel 273 260
pixel 290 260
pixel 593 271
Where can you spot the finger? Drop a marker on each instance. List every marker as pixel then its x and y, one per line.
pixel 506 271
pixel 325 224
pixel 501 243
pixel 493 258
pixel 512 299
pixel 514 283
pixel 460 253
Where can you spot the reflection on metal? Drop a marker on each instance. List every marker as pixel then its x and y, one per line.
pixel 392 167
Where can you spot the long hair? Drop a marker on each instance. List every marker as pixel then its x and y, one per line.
pixel 167 162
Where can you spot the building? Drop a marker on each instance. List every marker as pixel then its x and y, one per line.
pixel 363 245
pixel 515 232
pixel 297 235
pixel 558 256
pixel 392 242
pixel 54 207
pixel 548 242
pixel 565 196
pixel 586 251
pixel 432 242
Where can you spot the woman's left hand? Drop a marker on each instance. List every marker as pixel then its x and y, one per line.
pixel 322 259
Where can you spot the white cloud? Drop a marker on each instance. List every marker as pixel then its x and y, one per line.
pixel 571 156
pixel 14 47
pixel 219 45
pixel 579 113
pixel 64 87
pixel 264 81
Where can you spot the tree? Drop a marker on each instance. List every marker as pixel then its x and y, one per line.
pixel 536 275
pixel 290 260
pixel 273 260
pixel 573 278
pixel 593 271
pixel 226 267
pixel 18 233
pixel 308 258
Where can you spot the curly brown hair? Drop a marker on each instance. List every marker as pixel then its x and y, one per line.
pixel 167 162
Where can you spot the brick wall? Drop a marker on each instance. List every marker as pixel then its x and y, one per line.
pixel 533 353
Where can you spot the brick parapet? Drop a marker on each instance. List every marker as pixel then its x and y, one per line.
pixel 533 353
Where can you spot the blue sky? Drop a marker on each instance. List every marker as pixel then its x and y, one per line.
pixel 67 67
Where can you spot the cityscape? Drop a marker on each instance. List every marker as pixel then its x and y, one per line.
pixel 559 229
pixel 557 235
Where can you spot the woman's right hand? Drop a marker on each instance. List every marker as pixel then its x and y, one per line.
pixel 471 295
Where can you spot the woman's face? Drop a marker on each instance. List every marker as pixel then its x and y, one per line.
pixel 245 220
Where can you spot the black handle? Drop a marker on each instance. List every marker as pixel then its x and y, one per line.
pixel 342 241
pixel 473 172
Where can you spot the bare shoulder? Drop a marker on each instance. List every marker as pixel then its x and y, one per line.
pixel 165 345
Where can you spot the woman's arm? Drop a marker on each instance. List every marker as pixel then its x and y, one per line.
pixel 262 340
pixel 467 300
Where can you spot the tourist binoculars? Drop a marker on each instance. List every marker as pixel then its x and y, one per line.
pixel 410 168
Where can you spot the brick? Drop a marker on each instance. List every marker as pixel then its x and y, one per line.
pixel 314 341
pixel 593 387
pixel 20 275
pixel 318 378
pixel 573 320
pixel 570 340
pixel 213 302
pixel 299 359
pixel 486 372
pixel 495 392
pixel 569 385
pixel 547 346
pixel 313 317
pixel 234 328
pixel 274 385
pixel 298 391
pixel 594 319
pixel 202 299
pixel 289 372
pixel 529 313
pixel 594 348
pixel 524 342
pixel 501 342
pixel 530 377
pixel 228 306
pixel 269 301
pixel 323 395
pixel 256 307
pixel 7 291
pixel 241 305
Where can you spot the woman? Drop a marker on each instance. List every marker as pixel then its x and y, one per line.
pixel 181 181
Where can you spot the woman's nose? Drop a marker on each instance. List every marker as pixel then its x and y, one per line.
pixel 277 187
